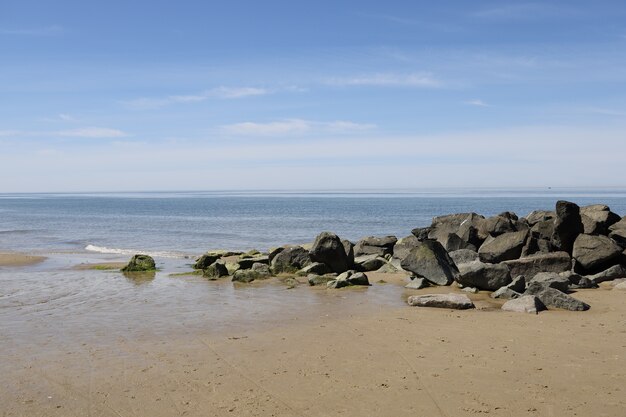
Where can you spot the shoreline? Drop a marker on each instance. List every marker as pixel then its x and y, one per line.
pixel 18 259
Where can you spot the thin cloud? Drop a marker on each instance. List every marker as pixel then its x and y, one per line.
pixel 418 80
pixel 53 30
pixel 477 103
pixel 294 127
pixel 523 11
pixel 92 132
pixel 216 93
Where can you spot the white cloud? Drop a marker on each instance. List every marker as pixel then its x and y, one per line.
pixel 66 117
pixel 218 93
pixel 53 30
pixel 293 127
pixel 477 103
pixel 92 132
pixel 424 80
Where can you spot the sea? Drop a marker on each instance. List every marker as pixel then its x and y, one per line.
pixel 183 224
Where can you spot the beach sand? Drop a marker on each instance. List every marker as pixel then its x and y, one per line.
pixel 352 360
pixel 14 259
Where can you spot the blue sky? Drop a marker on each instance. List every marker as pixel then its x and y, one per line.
pixel 201 95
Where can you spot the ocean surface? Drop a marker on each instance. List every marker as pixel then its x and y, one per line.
pixel 175 224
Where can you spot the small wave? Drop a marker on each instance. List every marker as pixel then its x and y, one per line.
pixel 17 232
pixel 117 251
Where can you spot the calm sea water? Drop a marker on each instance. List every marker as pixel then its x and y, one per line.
pixel 172 224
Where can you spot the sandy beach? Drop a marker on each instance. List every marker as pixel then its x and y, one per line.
pixel 349 352
pixel 13 259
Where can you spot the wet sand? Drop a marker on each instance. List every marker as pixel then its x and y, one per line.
pixel 174 346
pixel 13 259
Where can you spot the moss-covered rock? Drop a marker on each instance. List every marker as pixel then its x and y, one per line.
pixel 139 263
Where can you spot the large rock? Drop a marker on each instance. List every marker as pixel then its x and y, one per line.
pixel 463 256
pixel 593 253
pixel 483 276
pixel 540 216
pixel 597 219
pixel 505 247
pixel 431 261
pixel 443 225
pixel 375 246
pixel 246 276
pixel 214 271
pixel 532 265
pixel 454 301
pixel 368 263
pixel 552 297
pixel 525 304
pixel 578 281
pixel 140 263
pixel 315 279
pixel 497 225
pixel 291 259
pixel 617 232
pixel 470 230
pixel 550 279
pixel 328 249
pixel 348 279
pixel 505 293
pixel 262 269
pixel 417 284
pixel 314 268
pixel 404 245
pixel 206 260
pixel 567 226
pixel 421 233
pixel 349 249
pixel 453 242
pixel 610 274
pixel 246 263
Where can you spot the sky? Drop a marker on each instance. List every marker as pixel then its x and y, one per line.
pixel 284 95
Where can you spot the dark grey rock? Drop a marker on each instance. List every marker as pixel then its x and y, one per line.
pixel 246 263
pixel 483 276
pixel 505 293
pixel 140 263
pixel 387 268
pixel 518 284
pixel 214 271
pixel 497 225
pixel 597 219
pixel 463 256
pixel 619 236
pixel 453 301
pixel 316 268
pixel 578 281
pixel 315 279
pixel 551 279
pixel 524 304
pixel 328 249
pixel 273 252
pixel 417 284
pixel 291 259
pixel 431 261
pixel 505 247
pixel 262 269
pixel 246 276
pixel 610 274
pixel 349 249
pixel 421 233
pixel 567 226
pixel 205 260
pixel 453 242
pixel 539 216
pixel 593 253
pixel 552 297
pixel 372 245
pixel 348 279
pixel 368 263
pixel 532 265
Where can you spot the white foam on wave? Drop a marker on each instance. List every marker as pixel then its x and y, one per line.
pixel 118 251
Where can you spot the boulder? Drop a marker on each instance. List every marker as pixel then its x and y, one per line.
pixel 497 225
pixel 610 274
pixel 483 276
pixel 505 293
pixel 417 284
pixel 291 259
pixel 262 269
pixel 619 236
pixel 552 297
pixel 620 286
pixel 232 267
pixel 252 253
pixel 349 249
pixel 532 265
pixel 404 245
pixel 441 226
pixel 524 304
pixel 273 252
pixel 140 263
pixel 348 279
pixel 593 253
pixel 578 281
pixel 431 261
pixel 214 271
pixel 328 249
pixel 421 233
pixel 246 263
pixel 505 247
pixel 246 275
pixel 540 216
pixel 366 263
pixel 550 279
pixel 453 301
pixel 470 230
pixel 452 242
pixel 316 268
pixel 387 268
pixel 567 226
pixel 518 284
pixel 315 279
pixel 371 245
pixel 463 256
pixel 597 219
pixel 206 260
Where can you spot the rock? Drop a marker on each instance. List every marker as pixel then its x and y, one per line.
pixel 366 263
pixel 371 245
pixel 620 286
pixel 231 267
pixel 252 253
pixel 518 284
pixel 387 268
pixel 497 225
pixel 417 284
pixel 453 301
pixel 567 226
pixel 291 282
pixel 214 271
pixel 532 265
pixel 291 259
pixel 205 261
pixel 578 281
pixel 614 272
pixel 550 279
pixel 453 242
pixel 273 252
pixel 470 230
pixel 593 253
pixel 320 279
pixel 540 216
pixel 505 293
pixel 246 275
pixel 483 276
pixel 421 233
pixel 328 249
pixel 463 256
pixel 349 249
pixel 348 279
pixel 246 263
pixel 524 304
pixel 471 290
pixel 431 261
pixel 139 263
pixel 619 236
pixel 316 268
pixel 505 247
pixel 552 297
pixel 443 225
pixel 404 246
pixel 262 269
pixel 597 219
